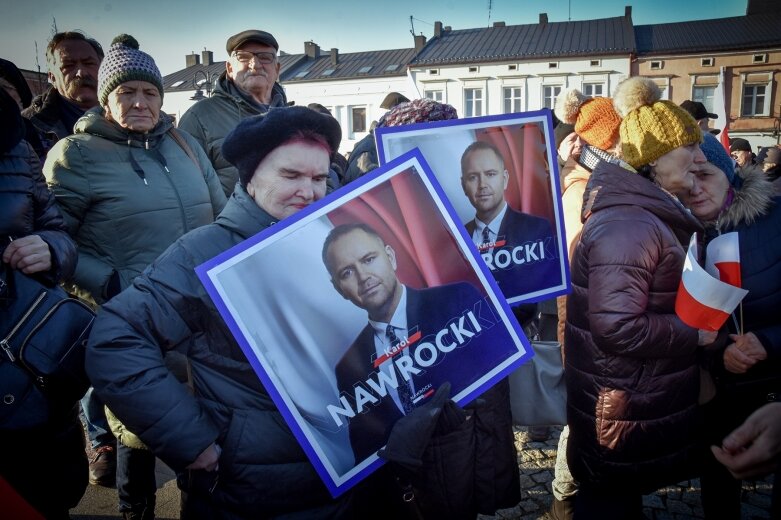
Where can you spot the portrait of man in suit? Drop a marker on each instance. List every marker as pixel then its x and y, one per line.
pixel 415 339
pixel 520 249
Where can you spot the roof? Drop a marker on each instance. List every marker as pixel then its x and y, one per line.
pixel 354 65
pixel 540 40
pixel 721 34
pixel 184 80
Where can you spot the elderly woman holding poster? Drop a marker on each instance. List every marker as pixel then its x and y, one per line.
pixel 748 370
pixel 631 363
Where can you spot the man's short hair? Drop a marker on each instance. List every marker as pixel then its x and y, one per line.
pixel 70 35
pixel 479 145
pixel 342 230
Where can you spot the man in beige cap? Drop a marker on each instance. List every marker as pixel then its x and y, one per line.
pixel 247 87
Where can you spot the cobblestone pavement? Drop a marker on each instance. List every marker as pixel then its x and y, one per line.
pixel 536 460
pixel 677 502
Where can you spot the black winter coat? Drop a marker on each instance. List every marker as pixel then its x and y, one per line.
pixel 263 471
pixel 27 207
pixel 631 364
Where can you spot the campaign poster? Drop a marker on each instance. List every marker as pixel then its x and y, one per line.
pixel 354 311
pixel 501 175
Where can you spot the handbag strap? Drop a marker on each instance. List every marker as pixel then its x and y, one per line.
pixel 177 136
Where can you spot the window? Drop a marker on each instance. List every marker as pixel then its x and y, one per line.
pixel 436 95
pixel 473 69
pixel 705 96
pixel 549 95
pixel 433 72
pixel 391 67
pixel 754 100
pixel 595 63
pixel 759 58
pixel 512 99
pixel 301 74
pixel 358 119
pixel 328 72
pixel 706 62
pixel 656 65
pixel 512 67
pixel 593 89
pixel 553 65
pixel 364 70
pixel 177 84
pixel 473 102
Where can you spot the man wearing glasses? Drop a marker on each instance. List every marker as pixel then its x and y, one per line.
pixel 247 87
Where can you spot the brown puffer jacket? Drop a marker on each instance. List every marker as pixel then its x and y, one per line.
pixel 631 364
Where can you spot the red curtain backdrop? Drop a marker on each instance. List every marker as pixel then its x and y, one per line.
pixel 404 214
pixel 526 160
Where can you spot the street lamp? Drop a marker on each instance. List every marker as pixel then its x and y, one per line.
pixel 203 80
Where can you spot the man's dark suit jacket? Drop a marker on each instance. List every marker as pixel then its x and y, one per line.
pixel 519 229
pixel 429 310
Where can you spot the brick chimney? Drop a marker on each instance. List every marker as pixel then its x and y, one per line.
pixel 543 18
pixel 628 11
pixel 191 59
pixel 437 29
pixel 420 42
pixel 207 57
pixel 499 24
pixel 312 50
pixel 334 56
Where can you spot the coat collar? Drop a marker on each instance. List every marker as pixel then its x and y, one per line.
pixel 243 216
pixel 752 200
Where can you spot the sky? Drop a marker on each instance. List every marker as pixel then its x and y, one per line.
pixel 171 29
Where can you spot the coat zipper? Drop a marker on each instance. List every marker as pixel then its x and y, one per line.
pixel 5 342
pixel 161 160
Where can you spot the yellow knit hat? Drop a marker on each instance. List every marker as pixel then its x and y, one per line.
pixel 651 127
pixel 595 119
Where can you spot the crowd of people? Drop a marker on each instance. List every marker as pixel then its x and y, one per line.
pixel 102 192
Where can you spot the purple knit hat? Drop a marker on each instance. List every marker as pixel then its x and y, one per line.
pixel 123 63
pixel 418 111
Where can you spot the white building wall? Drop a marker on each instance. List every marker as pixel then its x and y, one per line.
pixel 341 96
pixel 177 103
pixel 531 77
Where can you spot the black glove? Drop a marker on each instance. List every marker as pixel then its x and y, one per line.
pixel 412 434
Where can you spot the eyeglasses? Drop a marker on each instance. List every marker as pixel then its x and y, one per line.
pixel 263 57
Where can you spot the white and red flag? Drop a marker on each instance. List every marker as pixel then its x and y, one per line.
pixel 722 258
pixel 704 301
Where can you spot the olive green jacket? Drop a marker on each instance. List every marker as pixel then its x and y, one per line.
pixel 126 197
pixel 212 119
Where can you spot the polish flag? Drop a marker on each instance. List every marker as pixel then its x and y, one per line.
pixel 720 109
pixel 722 258
pixel 704 302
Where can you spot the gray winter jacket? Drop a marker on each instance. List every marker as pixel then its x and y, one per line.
pixel 212 119
pixel 126 197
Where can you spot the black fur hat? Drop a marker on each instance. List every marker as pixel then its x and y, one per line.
pixel 256 136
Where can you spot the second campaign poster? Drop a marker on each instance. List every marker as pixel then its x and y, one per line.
pixel 501 176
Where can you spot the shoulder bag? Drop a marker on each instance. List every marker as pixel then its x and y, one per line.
pixel 43 335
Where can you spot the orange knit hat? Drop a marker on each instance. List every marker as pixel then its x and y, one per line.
pixel 595 119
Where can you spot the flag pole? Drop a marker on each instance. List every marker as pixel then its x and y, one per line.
pixel 741 318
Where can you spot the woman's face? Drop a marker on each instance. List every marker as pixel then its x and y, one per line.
pixel 134 105
pixel 675 170
pixel 706 198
